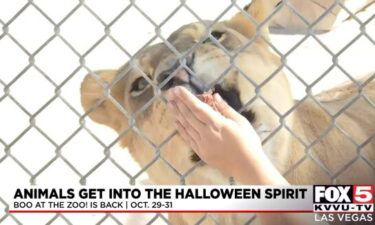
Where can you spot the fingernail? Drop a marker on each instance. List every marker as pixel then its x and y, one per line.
pixel 218 98
pixel 176 90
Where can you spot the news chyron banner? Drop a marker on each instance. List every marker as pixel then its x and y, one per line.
pixel 355 201
pixel 165 199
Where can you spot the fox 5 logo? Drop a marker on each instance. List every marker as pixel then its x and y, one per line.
pixel 355 194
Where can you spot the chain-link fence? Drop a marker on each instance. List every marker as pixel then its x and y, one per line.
pixel 37 103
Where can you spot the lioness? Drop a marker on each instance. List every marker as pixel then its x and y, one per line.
pixel 299 136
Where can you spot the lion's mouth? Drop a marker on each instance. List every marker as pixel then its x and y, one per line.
pixel 182 77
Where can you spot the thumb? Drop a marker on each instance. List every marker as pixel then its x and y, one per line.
pixel 226 110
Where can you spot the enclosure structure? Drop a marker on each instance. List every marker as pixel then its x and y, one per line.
pixel 46 49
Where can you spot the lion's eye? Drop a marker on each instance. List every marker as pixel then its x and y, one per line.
pixel 215 34
pixel 139 86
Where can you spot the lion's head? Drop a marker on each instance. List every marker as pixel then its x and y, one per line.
pixel 220 58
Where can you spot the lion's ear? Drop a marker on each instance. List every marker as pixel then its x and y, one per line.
pixel 97 105
pixel 259 10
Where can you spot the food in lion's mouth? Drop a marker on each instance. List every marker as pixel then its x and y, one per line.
pixel 208 98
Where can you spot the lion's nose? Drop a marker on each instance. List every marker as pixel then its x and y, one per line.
pixel 179 74
pixel 182 75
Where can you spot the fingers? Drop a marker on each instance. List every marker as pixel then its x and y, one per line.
pixel 200 110
pixel 226 110
pixel 184 133
pixel 184 115
pixel 191 124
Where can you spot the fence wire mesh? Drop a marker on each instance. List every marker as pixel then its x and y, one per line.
pixel 8 85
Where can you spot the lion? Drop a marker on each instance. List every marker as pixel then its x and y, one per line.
pixel 233 59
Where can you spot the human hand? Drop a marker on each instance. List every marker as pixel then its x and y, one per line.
pixel 223 139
